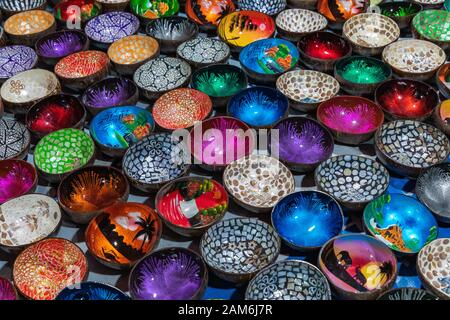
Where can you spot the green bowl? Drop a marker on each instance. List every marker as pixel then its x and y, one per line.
pixel 434 26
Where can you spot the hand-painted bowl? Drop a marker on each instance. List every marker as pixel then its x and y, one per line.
pixel 169 274
pixel 14 139
pixel 91 291
pixel 114 5
pixel 443 80
pixel 302 143
pixel 220 82
pixel 339 11
pixel 293 23
pixel 201 52
pixel 270 7
pixel 25 28
pixel 408 294
pixel 171 32
pixel 306 89
pixel 441 117
pixel 401 222
pixel 155 161
pixel 432 190
pixel 237 249
pixel 10 7
pixel 57 45
pixel 240 28
pixel 29 218
pixel 149 10
pixel 402 12
pixel 17 177
pixel 189 206
pixel 406 99
pixel 62 152
pixel 259 107
pixel 109 27
pixel 408 147
pixel 432 267
pixel 359 75
pixel 432 25
pixel 289 280
pixel 258 182
pixel 264 60
pixel 110 92
pixel 160 75
pixel 218 141
pixel 54 113
pixel 16 59
pixel 306 220
pixel 359 267
pixel 42 270
pixel 414 59
pixel 71 18
pixel 208 14
pixel 81 69
pixel 123 233
pixel 114 130
pixel 181 108
pixel 86 192
pixel 321 50
pixel 352 120
pixel 354 181
pixel 129 53
pixel 7 290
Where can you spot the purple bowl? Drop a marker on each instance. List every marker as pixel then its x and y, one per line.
pixel 15 59
pixel 7 290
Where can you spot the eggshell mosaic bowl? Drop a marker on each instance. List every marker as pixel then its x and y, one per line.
pixel 270 7
pixel 202 51
pixel 16 59
pixel 14 139
pixel 293 23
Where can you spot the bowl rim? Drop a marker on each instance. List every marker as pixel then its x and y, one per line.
pixel 14 289
pixel 344 60
pixel 84 41
pixel 319 33
pixel 300 11
pixel 31 12
pixel 172 18
pixel 389 4
pixel 401 289
pixel 109 286
pixel 25 163
pixel 239 6
pixel 34 6
pixel 225 47
pixel 89 76
pixel 441 72
pixel 424 12
pixel 33 53
pixel 137 63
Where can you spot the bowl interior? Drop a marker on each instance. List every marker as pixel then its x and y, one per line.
pixel 109 92
pixel 300 21
pixel 154 10
pixel 172 28
pixel 443 76
pixel 268 7
pixel 18 6
pixel 15 59
pixel 203 50
pixel 112 26
pixel 409 294
pixel 133 49
pixel 82 64
pixel 29 22
pixel 61 44
pixel 18 138
pixel 400 9
pixel 17 177
pixel 363 70
pixel 324 45
pixel 63 10
pixel 208 13
pixel 433 24
pixel 92 291
pixel 7 291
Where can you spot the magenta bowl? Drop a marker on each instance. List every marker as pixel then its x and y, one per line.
pixel 7 290
pixel 17 177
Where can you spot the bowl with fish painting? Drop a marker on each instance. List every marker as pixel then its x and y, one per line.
pixel 408 294
pixel 84 193
pixel 17 177
pixel 15 139
pixel 441 117
pixel 169 274
pixel 15 59
pixel 293 23
pixel 443 80
pixel 402 12
pixel 90 290
pixel 270 7
pixel 7 290
pixel 202 51
pixel 123 234
pixel 73 14
pixel 432 25
pixel 208 14
pixel 11 7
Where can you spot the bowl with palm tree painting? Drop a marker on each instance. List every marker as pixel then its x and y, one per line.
pixel 409 294
pixel 208 14
pixel 123 234
pixel 17 177
pixel 90 290
pixel 402 12
pixel 220 82
pixel 359 75
pixel 432 25
pixel 259 107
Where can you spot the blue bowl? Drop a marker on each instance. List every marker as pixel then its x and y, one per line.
pixel 258 106
pixel 306 220
pixel 91 291
pixel 401 222
pixel 115 129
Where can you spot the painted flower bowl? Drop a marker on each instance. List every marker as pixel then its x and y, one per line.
pixel 432 190
pixel 155 161
pixel 354 181
pixel 240 28
pixel 359 267
pixel 169 274
pixel 289 280
pixel 86 192
pixel 293 23
pixel 352 120
pixel 74 19
pixel 237 249
pixel 220 82
pixel 191 205
pixel 321 50
pixel 258 182
pixel 264 60
pixel 11 7
pixel 208 14
pixel 160 75
pixel 171 32
pixel 218 141
pixel 339 11
pixel 42 270
pixel 259 107
pixel 360 75
pixel 114 130
pixel 432 267
pixel 270 7
pixel 408 294
pixel 443 80
pixel 54 113
pixel 7 290
pixel 306 89
pixel 17 177
pixel 81 69
pixel 414 59
pixel 150 10
pixel 91 291
pixel 402 12
pixel 25 28
pixel 110 92
pixel 62 152
pixel 306 220
pixel 14 139
pixel 201 52
pixel 441 117
pixel 15 59
pixel 57 45
pixel 408 147
pixel 432 25
pixel 106 28
pixel 131 52
pixel 123 233
pixel 114 5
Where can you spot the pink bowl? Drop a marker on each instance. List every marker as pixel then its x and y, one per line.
pixel 17 177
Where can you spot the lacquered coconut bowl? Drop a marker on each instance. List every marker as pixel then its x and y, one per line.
pixel 202 52
pixel 408 294
pixel 148 11
pixel 272 7
pixel 432 25
pixel 443 80
pixel 302 4
pixel 7 290
pixel 441 117
pixel 67 18
pixel 208 14
pixel 17 177
pixel 11 7
pixel 90 290
pixel 114 5
pixel 402 12
pixel 15 59
pixel 293 23
pixel 338 12
pixel 18 142
pixel 430 4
